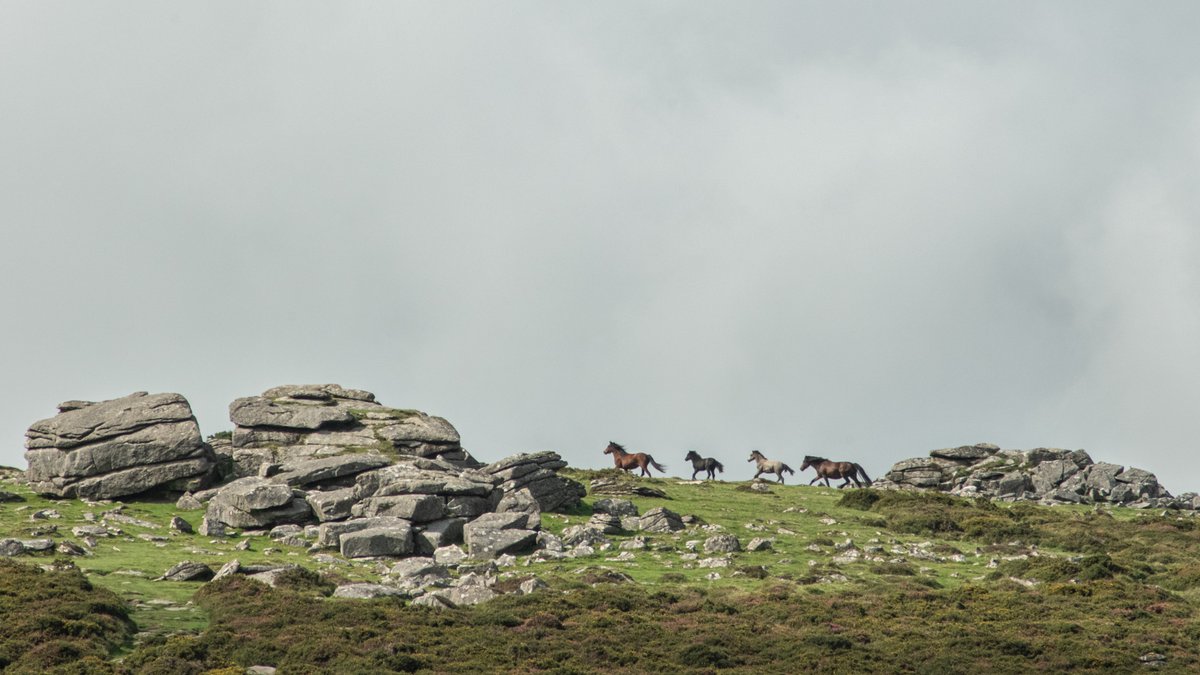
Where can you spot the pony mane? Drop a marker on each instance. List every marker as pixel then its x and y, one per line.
pixel 617 446
pixel 810 459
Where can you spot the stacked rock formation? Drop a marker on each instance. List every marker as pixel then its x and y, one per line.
pixel 298 421
pixel 372 508
pixel 529 481
pixel 116 448
pixel 1049 475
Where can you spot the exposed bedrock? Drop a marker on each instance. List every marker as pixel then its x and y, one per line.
pixel 1049 475
pixel 305 421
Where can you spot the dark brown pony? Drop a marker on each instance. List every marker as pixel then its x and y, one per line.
pixel 840 470
pixel 627 461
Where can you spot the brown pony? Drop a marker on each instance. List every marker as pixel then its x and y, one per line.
pixel 843 470
pixel 627 461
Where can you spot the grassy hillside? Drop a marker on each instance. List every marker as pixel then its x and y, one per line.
pixel 856 581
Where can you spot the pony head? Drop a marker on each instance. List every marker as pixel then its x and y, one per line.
pixel 755 455
pixel 614 448
pixel 691 455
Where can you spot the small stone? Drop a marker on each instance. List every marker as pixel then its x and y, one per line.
pixel 760 544
pixel 531 585
pixel 449 555
pixel 180 525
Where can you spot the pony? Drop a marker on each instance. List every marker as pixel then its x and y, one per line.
pixel 768 465
pixel 626 461
pixel 708 464
pixel 826 469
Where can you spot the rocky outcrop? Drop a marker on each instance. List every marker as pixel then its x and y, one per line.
pixel 257 503
pixel 1049 475
pixel 303 421
pixel 116 448
pixel 536 475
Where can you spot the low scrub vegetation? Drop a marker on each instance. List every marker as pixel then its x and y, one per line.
pixel 56 621
pixel 854 581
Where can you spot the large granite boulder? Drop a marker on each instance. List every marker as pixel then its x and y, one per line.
pixel 495 534
pixel 116 448
pixel 1052 475
pixel 303 421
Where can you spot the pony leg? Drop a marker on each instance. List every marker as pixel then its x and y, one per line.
pixel 813 480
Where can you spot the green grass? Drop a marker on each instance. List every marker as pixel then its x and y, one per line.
pixel 939 584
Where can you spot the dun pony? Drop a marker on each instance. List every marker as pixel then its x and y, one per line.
pixel 769 465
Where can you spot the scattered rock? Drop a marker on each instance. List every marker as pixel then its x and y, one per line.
pixel 722 543
pixel 760 544
pixel 10 548
pixel 532 585
pixel 449 555
pixel 367 591
pixel 180 525
pixel 433 601
pixel 616 507
pixel 660 519
pixel 188 570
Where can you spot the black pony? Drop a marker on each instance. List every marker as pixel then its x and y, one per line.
pixel 708 464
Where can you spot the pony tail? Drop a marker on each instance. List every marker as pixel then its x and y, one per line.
pixel 788 469
pixel 720 467
pixel 655 464
pixel 864 473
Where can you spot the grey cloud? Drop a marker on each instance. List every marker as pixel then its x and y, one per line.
pixel 852 230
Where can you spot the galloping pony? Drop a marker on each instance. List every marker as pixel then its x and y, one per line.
pixel 626 461
pixel 708 464
pixel 841 470
pixel 769 465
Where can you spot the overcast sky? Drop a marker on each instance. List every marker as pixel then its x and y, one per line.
pixel 859 230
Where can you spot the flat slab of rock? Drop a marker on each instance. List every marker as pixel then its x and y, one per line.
pixel 487 544
pixel 396 540
pixel 308 471
pixel 188 570
pixel 368 591
pixel 417 508
pixel 966 453
pixel 329 535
